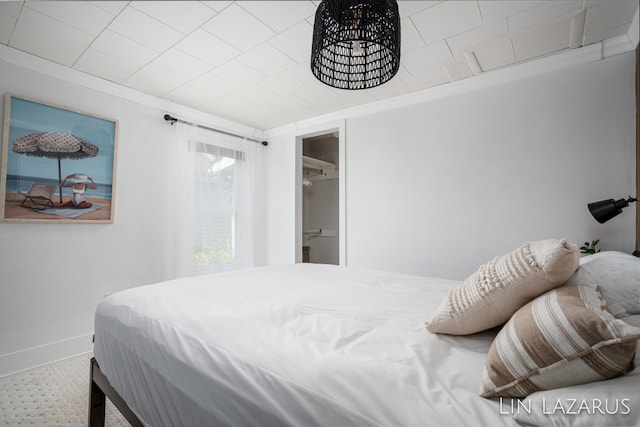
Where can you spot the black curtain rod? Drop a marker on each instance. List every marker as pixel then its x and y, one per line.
pixel 168 118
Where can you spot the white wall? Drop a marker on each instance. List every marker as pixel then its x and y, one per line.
pixel 459 179
pixel 440 187
pixel 53 275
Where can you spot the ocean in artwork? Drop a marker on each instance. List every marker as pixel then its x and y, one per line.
pixel 20 183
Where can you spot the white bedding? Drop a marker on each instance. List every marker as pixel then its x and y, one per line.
pixel 298 345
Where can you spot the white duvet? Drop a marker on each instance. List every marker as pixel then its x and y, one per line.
pixel 299 345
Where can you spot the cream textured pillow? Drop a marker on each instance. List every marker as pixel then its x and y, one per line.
pixel 492 294
pixel 562 338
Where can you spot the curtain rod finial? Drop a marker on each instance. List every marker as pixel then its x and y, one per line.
pixel 170 119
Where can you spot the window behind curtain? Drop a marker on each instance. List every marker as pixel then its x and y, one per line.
pixel 218 198
pixel 217 177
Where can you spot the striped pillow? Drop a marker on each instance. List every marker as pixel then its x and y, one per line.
pixel 564 337
pixel 492 294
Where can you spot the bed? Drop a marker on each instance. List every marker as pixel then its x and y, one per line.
pixel 295 345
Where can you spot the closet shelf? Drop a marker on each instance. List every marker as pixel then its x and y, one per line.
pixel 315 169
pixel 320 232
pixel 317 164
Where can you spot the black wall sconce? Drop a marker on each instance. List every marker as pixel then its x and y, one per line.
pixel 604 210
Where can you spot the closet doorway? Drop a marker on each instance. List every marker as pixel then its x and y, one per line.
pixel 320 196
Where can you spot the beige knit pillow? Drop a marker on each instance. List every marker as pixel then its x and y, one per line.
pixel 492 294
pixel 562 338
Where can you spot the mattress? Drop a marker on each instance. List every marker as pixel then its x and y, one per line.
pixel 295 345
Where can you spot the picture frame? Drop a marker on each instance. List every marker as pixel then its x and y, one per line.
pixel 58 164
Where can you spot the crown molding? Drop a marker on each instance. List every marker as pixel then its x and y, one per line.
pixel 617 45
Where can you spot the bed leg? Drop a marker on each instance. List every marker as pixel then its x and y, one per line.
pixel 97 401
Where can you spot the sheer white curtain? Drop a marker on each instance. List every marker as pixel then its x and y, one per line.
pixel 219 201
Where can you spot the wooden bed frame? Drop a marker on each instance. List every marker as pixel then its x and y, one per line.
pixel 100 388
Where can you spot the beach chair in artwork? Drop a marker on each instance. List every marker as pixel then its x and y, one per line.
pixel 39 196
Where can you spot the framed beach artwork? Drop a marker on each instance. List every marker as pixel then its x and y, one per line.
pixel 58 164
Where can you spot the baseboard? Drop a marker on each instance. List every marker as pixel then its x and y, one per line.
pixel 12 363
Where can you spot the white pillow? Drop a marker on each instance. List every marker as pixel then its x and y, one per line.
pixel 633 320
pixel 618 275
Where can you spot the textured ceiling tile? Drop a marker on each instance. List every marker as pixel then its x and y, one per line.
pixel 256 93
pixel 494 54
pixel 295 42
pixel 228 104
pixel 266 59
pixel 493 10
pixel 282 83
pixel 411 7
pixel 410 37
pixel 46 37
pixel 123 48
pixel 351 98
pixel 239 28
pixel 110 6
pixel 303 73
pixel 216 85
pixel 466 41
pixel 458 70
pixel 182 63
pixel 279 15
pixel 53 31
pixel 427 58
pixel 548 39
pixel 393 87
pixel 207 48
pixel 447 19
pixel 155 80
pixel 9 12
pixel 217 5
pixel 321 97
pixel 83 16
pixel 27 42
pixel 201 90
pixel 255 115
pixel 434 77
pixel 105 66
pixel 609 14
pixel 539 14
pixel 189 96
pixel 288 102
pixel 597 36
pixel 184 16
pixel 238 73
pixel 145 30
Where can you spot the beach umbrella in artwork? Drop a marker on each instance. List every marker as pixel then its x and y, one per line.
pixel 55 145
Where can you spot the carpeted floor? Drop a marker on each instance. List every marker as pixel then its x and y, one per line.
pixel 52 395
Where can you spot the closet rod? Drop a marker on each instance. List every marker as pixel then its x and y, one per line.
pixel 171 119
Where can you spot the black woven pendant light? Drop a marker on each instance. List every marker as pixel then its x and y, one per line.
pixel 356 43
